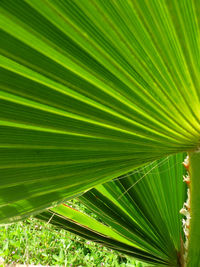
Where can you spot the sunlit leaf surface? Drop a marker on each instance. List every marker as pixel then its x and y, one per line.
pixel 90 90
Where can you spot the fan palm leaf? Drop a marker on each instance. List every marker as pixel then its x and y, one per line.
pixel 79 77
pixel 91 90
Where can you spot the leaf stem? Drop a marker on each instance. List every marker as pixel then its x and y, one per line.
pixel 193 249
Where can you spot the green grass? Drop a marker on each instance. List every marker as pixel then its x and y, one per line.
pixel 35 242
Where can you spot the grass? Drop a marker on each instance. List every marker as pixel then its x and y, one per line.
pixel 36 242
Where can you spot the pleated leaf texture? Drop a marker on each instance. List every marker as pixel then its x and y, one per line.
pixel 139 213
pixel 90 90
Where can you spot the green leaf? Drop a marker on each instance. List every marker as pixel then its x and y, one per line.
pixel 90 90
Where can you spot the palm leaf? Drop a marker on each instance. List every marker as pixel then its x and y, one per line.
pixel 90 90
pixel 140 212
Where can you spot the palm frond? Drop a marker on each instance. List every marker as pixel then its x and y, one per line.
pixel 140 210
pixel 90 90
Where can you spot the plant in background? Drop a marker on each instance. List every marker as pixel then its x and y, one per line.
pixel 90 91
pixel 37 243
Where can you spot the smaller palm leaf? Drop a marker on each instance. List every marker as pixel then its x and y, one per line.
pixel 139 211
